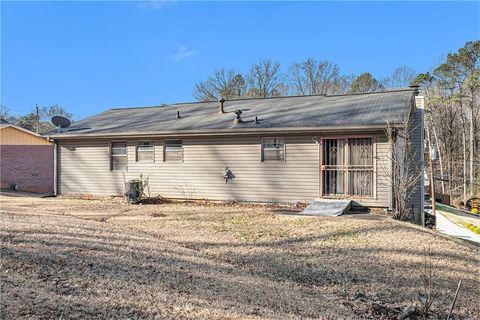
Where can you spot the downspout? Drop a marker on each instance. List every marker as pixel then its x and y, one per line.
pixel 54 168
pixel 391 175
pixel 420 104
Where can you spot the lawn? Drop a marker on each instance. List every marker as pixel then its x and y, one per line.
pixel 101 258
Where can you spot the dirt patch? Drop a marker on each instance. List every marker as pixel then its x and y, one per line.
pixel 102 258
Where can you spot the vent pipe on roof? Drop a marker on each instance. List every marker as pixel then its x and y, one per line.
pixel 256 120
pixel 221 105
pixel 178 114
pixel 238 119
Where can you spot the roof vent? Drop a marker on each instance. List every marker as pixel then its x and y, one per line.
pixel 178 114
pixel 221 105
pixel 238 119
pixel 256 120
pixel 415 87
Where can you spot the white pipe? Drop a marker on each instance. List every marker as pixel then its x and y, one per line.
pixel 421 106
pixel 55 168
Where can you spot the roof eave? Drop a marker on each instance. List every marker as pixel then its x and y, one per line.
pixel 220 132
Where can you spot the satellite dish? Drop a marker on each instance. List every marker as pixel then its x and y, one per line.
pixel 61 122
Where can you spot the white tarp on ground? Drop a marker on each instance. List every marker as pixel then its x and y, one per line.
pixel 327 207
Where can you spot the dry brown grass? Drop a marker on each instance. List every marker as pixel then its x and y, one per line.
pixel 76 258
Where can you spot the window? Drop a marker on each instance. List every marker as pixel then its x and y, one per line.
pixel 273 149
pixel 118 156
pixel 173 151
pixel 347 166
pixel 145 151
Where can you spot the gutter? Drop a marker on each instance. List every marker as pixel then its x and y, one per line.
pixel 219 132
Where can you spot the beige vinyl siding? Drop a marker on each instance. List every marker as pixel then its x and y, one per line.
pixel 84 168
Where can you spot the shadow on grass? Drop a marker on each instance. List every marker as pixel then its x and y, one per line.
pixel 89 269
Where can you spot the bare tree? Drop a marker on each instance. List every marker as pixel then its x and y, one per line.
pixel 46 113
pixel 228 84
pixel 452 92
pixel 265 79
pixel 404 174
pixel 312 77
pixel 427 82
pixel 42 120
pixel 4 112
pixel 401 77
pixel 7 115
pixel 466 66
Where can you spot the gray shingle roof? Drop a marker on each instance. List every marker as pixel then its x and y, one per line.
pixel 315 112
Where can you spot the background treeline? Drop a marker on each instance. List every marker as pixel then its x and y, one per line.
pixel 38 120
pixel 452 92
pixel 267 78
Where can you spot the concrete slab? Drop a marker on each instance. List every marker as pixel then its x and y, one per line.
pixel 448 227
pixel 327 207
pixel 13 193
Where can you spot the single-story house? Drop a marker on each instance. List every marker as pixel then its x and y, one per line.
pixel 26 160
pixel 282 149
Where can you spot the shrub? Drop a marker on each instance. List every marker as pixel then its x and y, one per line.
pixel 476 230
pixel 474 211
pixel 471 227
pixel 429 220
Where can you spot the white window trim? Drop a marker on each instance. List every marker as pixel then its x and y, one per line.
pixel 117 155
pixel 165 152
pixel 284 150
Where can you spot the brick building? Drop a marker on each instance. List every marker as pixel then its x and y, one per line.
pixel 26 160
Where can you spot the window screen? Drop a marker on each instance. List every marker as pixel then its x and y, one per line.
pixel 173 151
pixel 118 156
pixel 145 151
pixel 273 149
pixel 360 167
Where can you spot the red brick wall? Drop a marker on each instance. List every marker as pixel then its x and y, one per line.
pixel 29 166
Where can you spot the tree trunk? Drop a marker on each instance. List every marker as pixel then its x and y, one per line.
pixel 472 150
pixel 465 190
pixel 430 166
pixel 440 161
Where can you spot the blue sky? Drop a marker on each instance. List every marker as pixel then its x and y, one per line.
pixel 91 56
